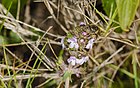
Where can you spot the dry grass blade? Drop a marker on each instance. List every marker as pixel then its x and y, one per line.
pixel 12 23
pixel 52 13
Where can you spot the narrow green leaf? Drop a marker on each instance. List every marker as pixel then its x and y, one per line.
pixel 13 9
pixel 109 6
pixel 129 74
pixel 60 60
pixel 126 12
pixel 134 63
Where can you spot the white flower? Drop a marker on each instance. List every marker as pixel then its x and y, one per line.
pixel 62 42
pixel 72 60
pixel 73 43
pixel 82 60
pixel 90 43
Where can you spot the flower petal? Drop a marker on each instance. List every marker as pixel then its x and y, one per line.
pixel 79 61
pixel 72 60
pixel 73 39
pixel 82 60
pixel 84 33
pixel 71 45
pixel 90 43
pixel 82 23
pixel 76 46
pixel 62 42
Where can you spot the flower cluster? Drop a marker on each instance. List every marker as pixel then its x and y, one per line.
pixel 78 42
pixel 73 44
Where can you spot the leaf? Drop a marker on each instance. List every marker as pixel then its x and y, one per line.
pixel 109 6
pixel 13 38
pixel 126 12
pixel 60 57
pixel 3 40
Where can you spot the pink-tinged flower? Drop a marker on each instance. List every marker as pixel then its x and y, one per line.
pixel 77 75
pixel 72 60
pixel 73 43
pixel 82 40
pixel 84 33
pixel 82 23
pixel 82 60
pixel 90 43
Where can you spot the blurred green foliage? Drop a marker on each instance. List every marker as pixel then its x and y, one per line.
pixel 109 6
pixel 3 40
pixel 14 7
pixel 126 10
pixel 14 38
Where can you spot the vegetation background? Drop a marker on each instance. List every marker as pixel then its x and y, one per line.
pixel 31 52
